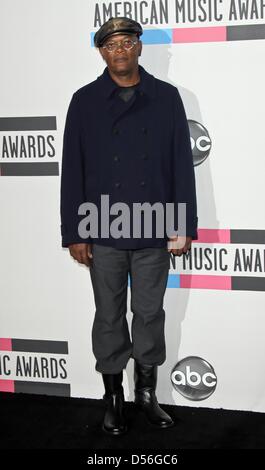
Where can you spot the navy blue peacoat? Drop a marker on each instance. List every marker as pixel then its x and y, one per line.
pixel 135 151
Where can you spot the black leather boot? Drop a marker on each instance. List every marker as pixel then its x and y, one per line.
pixel 114 420
pixel 145 377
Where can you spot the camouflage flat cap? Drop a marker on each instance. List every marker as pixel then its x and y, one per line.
pixel 117 25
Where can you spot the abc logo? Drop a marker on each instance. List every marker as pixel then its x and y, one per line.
pixel 200 142
pixel 194 378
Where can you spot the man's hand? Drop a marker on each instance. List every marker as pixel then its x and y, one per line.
pixel 179 245
pixel 82 252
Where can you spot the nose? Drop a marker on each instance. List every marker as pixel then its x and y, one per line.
pixel 120 53
pixel 119 48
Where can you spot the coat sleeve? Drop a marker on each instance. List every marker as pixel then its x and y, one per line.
pixel 72 192
pixel 184 187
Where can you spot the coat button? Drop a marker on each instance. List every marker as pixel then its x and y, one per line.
pixel 144 130
pixel 115 130
pixel 141 93
pixel 144 156
pixel 117 185
pixel 116 158
pixel 142 183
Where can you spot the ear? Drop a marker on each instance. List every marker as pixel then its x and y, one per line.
pixel 140 48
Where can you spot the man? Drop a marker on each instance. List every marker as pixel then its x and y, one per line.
pixel 126 136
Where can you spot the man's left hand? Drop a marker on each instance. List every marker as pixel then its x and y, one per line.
pixel 179 245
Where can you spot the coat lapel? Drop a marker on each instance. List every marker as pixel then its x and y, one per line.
pixel 116 107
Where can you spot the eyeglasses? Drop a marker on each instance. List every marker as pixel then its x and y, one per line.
pixel 126 44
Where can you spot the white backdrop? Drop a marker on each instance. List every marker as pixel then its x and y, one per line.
pixel 47 304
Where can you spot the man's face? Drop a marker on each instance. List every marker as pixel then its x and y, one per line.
pixel 121 60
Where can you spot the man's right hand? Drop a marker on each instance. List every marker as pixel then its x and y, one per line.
pixel 82 252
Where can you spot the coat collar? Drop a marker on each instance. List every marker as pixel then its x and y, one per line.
pixel 146 85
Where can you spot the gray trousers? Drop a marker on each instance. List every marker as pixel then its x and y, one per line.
pixel 111 343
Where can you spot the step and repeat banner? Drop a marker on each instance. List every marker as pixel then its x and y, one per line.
pixel 213 52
